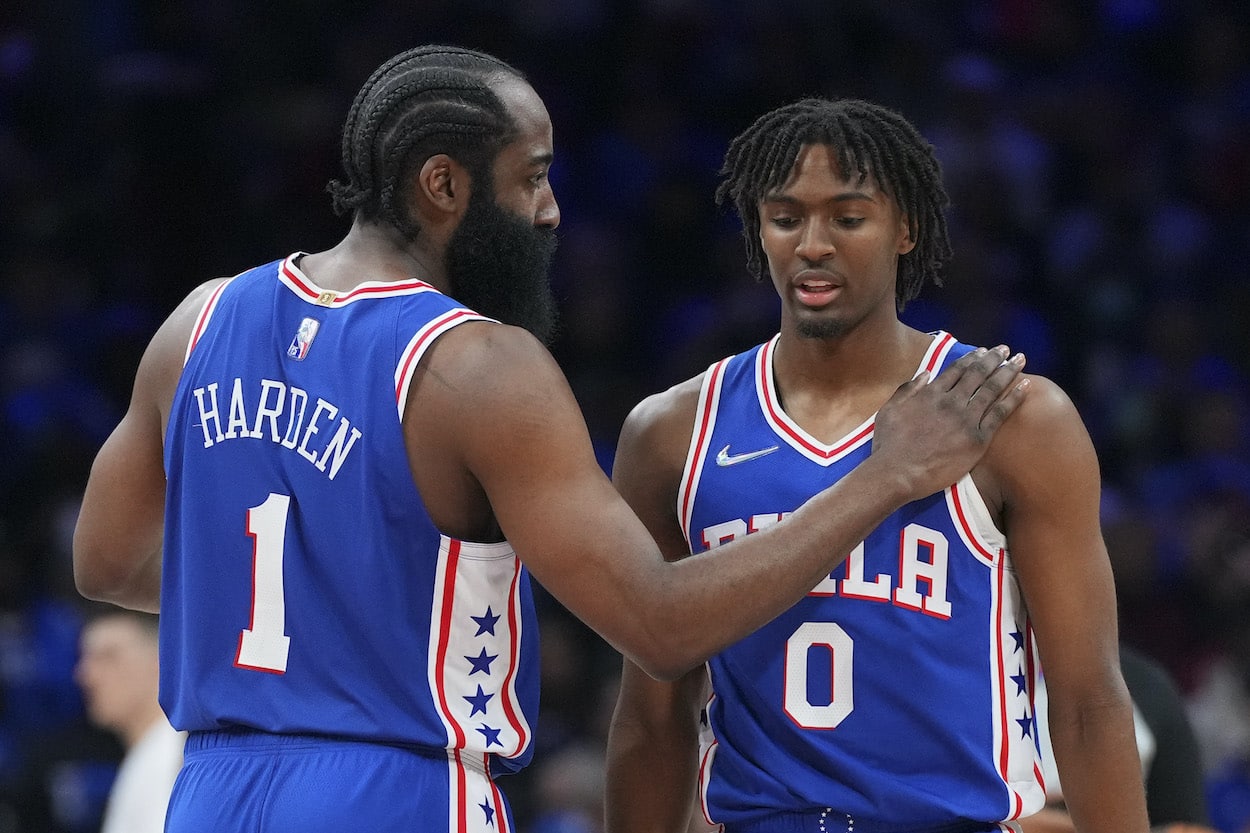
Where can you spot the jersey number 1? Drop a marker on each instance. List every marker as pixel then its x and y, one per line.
pixel 264 645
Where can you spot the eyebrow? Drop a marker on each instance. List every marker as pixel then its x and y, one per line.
pixel 542 158
pixel 845 196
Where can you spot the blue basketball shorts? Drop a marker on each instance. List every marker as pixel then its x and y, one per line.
pixel 254 782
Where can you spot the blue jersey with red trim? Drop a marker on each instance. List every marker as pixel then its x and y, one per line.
pixel 305 588
pixel 898 691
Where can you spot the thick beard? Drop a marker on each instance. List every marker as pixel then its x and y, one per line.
pixel 498 263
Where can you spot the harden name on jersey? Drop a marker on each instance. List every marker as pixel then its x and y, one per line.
pixel 280 414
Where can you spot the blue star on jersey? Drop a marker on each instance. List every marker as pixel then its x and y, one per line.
pixel 486 623
pixel 482 662
pixel 478 701
pixel 491 734
pixel 489 812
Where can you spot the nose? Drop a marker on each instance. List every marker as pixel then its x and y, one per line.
pixel 548 214
pixel 815 243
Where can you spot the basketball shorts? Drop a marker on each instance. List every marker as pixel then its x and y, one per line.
pixel 829 821
pixel 254 782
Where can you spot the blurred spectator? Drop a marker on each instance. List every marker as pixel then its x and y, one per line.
pixel 1175 799
pixel 119 675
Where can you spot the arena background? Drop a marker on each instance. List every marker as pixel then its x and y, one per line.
pixel 1097 154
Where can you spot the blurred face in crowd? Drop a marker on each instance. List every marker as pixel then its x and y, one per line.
pixel 118 671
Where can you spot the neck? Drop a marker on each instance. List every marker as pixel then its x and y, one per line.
pixel 375 252
pixel 866 354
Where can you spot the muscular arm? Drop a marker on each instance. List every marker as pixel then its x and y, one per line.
pixel 117 541
pixel 652 756
pixel 500 402
pixel 1046 473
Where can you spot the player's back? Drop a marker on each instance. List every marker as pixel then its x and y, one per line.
pixel 305 588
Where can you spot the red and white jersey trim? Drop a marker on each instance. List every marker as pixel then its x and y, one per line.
pixel 201 320
pixel 299 283
pixel 792 433
pixel 476 805
pixel 419 343
pixel 474 647
pixel 705 421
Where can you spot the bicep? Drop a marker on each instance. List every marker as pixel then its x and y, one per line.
pixel 1051 513
pixel 523 438
pixel 117 539
pixel 650 459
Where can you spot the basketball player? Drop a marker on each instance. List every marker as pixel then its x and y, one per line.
pixel 335 465
pixel 895 696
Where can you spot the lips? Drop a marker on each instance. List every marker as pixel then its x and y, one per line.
pixel 815 290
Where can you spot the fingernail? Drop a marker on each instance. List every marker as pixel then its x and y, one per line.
pixel 1018 359
pixel 1002 348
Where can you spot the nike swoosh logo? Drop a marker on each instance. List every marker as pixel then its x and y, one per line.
pixel 724 458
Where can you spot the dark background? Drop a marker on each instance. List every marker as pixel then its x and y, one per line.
pixel 1097 154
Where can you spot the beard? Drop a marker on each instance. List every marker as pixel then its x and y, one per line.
pixel 822 329
pixel 498 263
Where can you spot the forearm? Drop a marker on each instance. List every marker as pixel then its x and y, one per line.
pixel 1097 756
pixel 762 574
pixel 651 780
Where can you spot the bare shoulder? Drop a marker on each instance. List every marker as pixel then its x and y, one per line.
pixel 487 364
pixel 660 426
pixel 1045 415
pixel 163 360
pixel 1042 450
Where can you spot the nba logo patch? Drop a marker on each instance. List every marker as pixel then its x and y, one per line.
pixel 303 339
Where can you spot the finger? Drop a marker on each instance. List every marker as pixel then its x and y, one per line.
pixel 1003 406
pixel 970 370
pixel 1000 379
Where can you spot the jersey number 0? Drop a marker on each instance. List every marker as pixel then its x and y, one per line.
pixel 830 637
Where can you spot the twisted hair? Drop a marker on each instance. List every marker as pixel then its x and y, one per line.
pixel 870 140
pixel 428 100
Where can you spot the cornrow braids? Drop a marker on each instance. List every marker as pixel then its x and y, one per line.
pixel 869 140
pixel 428 100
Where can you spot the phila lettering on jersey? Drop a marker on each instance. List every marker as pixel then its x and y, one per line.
pixel 916 648
pixel 301 566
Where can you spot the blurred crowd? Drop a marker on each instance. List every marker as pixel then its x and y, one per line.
pixel 1098 157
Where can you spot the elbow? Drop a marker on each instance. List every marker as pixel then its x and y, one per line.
pixel 662 668
pixel 92 578
pixel 665 657
pixel 91 581
pixel 101 579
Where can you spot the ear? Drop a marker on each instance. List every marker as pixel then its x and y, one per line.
pixel 905 242
pixel 441 188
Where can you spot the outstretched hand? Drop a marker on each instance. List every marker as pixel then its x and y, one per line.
pixel 935 432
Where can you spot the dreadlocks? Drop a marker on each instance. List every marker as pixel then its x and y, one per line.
pixel 428 100
pixel 869 140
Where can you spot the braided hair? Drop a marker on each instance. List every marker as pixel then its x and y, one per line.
pixel 428 100
pixel 869 140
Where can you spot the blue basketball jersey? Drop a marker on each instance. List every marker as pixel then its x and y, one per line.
pixel 897 695
pixel 305 588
